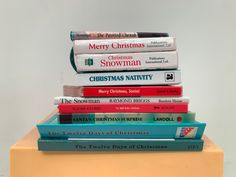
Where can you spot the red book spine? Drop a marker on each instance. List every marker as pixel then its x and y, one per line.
pixel 132 91
pixel 115 108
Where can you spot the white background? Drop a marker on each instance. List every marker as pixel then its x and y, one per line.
pixel 34 58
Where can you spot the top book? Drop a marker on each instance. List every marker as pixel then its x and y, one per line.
pixel 157 44
pixel 87 35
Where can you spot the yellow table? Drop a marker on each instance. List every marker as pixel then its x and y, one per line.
pixel 27 161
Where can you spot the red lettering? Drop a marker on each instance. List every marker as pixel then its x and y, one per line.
pixel 92 46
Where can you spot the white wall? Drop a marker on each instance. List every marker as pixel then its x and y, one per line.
pixel 35 45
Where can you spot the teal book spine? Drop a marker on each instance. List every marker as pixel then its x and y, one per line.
pixel 113 145
pixel 106 118
pixel 51 128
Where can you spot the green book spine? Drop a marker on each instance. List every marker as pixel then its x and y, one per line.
pixel 106 118
pixel 112 145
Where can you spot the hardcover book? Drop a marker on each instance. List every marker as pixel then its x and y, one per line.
pixel 158 77
pixel 123 91
pixel 124 45
pixel 111 145
pixel 97 100
pixel 106 118
pixel 86 35
pixel 116 108
pixel 51 128
pixel 124 61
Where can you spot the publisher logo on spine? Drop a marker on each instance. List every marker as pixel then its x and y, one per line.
pixel 169 76
pixel 89 61
pixel 186 132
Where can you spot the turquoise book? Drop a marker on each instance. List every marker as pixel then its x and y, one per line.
pixel 52 128
pixel 90 144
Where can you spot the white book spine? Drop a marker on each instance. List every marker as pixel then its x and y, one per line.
pixel 126 61
pixel 124 45
pixel 74 100
pixel 161 77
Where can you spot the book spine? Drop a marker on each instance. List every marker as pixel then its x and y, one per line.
pixel 126 61
pixel 51 128
pixel 106 118
pixel 133 91
pixel 109 108
pixel 122 145
pixel 97 100
pixel 125 91
pixel 124 45
pixel 160 77
pixel 86 35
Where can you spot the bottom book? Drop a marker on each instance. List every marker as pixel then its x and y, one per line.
pixel 87 144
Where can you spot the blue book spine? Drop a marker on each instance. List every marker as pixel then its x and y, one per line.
pixel 53 129
pixel 113 145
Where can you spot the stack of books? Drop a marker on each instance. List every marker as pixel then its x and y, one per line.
pixel 128 97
